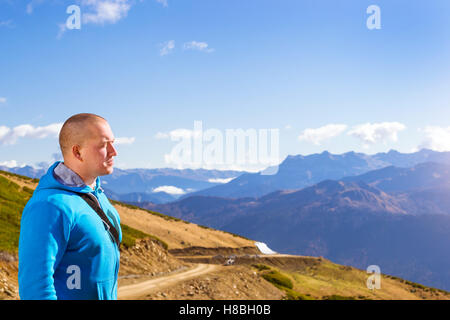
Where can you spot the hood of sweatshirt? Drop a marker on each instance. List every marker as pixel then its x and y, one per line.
pixel 48 181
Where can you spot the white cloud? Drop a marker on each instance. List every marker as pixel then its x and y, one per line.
pixel 219 180
pixel 167 47
pixel 3 132
pixel 161 135
pixel 10 136
pixel 33 4
pixel 124 140
pixel 371 133
pixel 178 134
pixel 2 100
pixel 170 190
pixel 200 46
pixel 98 12
pixel 105 11
pixel 9 164
pixel 6 23
pixel 62 28
pixel 29 9
pixel 184 134
pixel 317 135
pixel 163 2
pixel 436 138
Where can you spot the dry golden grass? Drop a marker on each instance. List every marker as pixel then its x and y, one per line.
pixel 22 182
pixel 178 234
pixel 328 279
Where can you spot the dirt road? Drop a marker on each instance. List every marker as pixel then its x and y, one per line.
pixel 137 290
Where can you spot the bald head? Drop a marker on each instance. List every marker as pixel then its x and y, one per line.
pixel 76 130
pixel 86 142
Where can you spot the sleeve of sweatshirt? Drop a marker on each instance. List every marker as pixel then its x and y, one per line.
pixel 44 234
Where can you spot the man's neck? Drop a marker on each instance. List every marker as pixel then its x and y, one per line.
pixel 89 181
pixel 93 185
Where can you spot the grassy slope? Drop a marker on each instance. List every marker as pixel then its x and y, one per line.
pixel 178 233
pixel 12 201
pixel 336 282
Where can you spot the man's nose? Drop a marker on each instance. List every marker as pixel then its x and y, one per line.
pixel 112 150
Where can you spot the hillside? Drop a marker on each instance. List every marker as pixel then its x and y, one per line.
pixel 397 179
pixel 165 256
pixel 178 233
pixel 298 278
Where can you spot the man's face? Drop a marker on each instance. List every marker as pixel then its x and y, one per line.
pixel 98 150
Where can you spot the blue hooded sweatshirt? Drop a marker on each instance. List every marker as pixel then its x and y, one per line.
pixel 65 251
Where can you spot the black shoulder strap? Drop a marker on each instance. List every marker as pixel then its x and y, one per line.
pixel 95 205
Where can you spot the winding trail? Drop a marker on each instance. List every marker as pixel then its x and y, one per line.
pixel 137 290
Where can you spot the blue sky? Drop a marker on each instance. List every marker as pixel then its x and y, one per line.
pixel 311 69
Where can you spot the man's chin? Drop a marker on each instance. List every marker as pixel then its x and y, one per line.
pixel 110 169
pixel 107 170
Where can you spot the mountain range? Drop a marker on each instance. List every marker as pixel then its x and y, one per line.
pixel 295 172
pixel 397 218
pixel 299 171
pixel 142 185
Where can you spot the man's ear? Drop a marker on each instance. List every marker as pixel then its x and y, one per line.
pixel 76 152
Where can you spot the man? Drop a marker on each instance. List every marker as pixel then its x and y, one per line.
pixel 66 250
